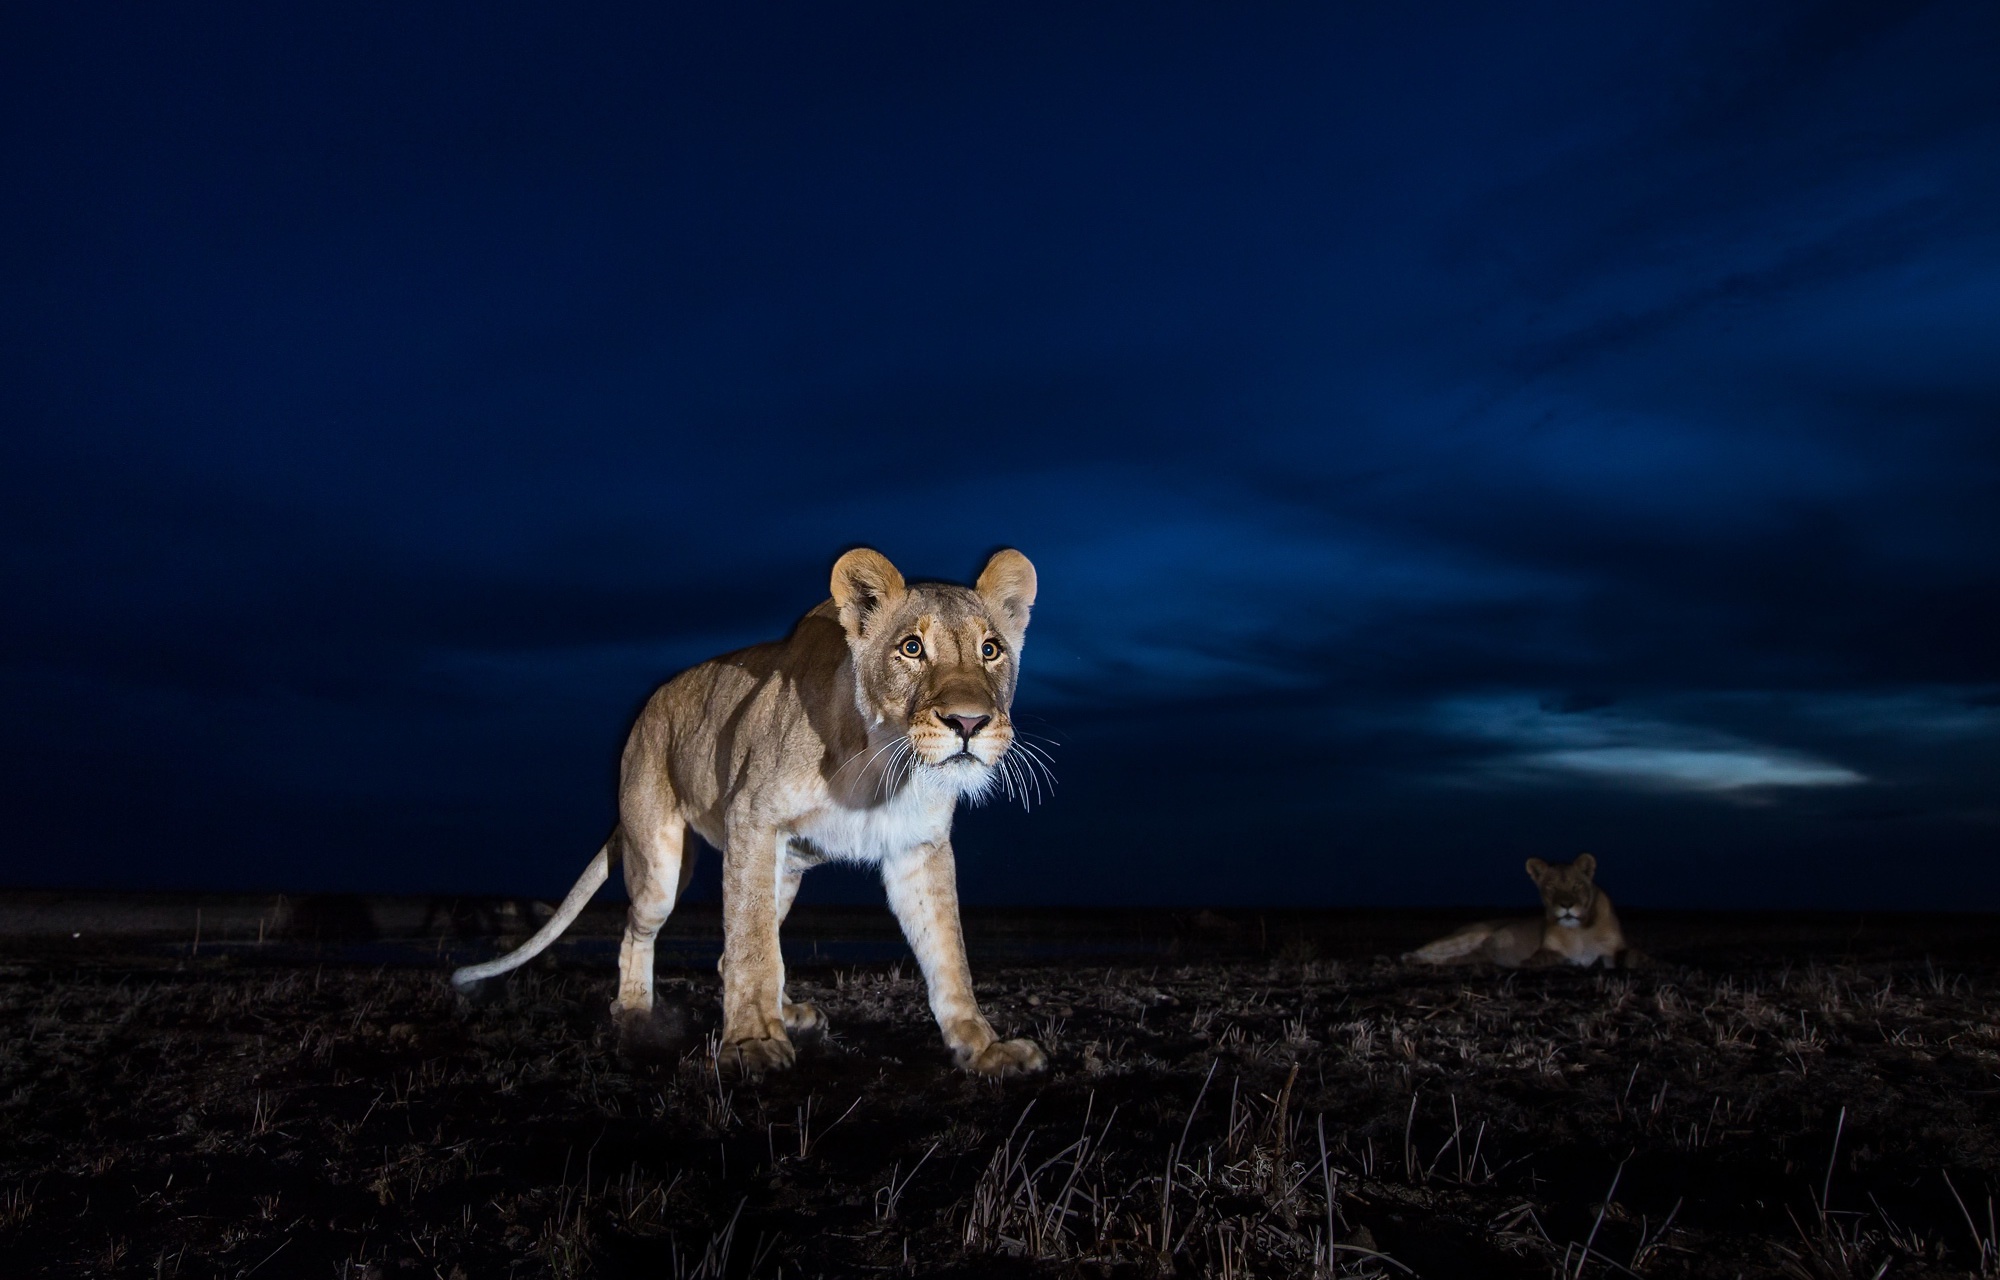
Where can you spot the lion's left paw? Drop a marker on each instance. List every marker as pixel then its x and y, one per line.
pixel 1006 1058
pixel 804 1023
pixel 752 1058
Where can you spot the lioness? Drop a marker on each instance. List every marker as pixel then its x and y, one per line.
pixel 1577 927
pixel 854 738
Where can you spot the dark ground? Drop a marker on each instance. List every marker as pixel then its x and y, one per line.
pixel 1797 1096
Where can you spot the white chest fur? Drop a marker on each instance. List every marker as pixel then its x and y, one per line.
pixel 1578 946
pixel 920 813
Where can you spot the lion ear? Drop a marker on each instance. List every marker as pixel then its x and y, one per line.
pixel 1537 869
pixel 1007 585
pixel 1586 864
pixel 863 582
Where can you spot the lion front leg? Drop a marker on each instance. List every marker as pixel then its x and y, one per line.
pixel 923 892
pixel 753 969
pixel 803 1022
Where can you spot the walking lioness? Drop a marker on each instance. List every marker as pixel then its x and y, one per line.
pixel 1577 927
pixel 854 738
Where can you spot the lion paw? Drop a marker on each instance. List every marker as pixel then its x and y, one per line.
pixel 804 1022
pixel 753 1057
pixel 1006 1058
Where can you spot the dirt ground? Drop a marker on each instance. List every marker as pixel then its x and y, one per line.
pixel 1259 1097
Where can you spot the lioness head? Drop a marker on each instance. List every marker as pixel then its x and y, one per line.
pixel 937 663
pixel 1569 894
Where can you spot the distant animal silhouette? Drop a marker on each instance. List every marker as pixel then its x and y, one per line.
pixel 462 917
pixel 854 738
pixel 1577 927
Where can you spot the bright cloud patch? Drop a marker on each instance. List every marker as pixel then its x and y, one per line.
pixel 1613 746
pixel 1694 770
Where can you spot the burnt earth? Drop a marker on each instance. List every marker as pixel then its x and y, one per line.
pixel 1747 1114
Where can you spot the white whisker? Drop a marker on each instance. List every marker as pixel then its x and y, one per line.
pixel 1037 765
pixel 1036 753
pixel 849 762
pixel 1009 768
pixel 873 756
pixel 884 784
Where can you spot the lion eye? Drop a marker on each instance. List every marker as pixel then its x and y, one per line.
pixel 912 647
pixel 989 650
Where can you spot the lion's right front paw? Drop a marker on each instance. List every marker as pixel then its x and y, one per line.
pixel 1007 1058
pixel 804 1023
pixel 751 1058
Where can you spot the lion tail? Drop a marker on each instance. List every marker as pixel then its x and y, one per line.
pixel 580 894
pixel 1456 946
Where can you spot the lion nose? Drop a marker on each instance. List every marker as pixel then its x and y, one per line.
pixel 967 726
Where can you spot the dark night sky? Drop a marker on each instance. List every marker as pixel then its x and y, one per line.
pixel 1445 434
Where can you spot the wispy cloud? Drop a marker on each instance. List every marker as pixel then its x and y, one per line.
pixel 1693 768
pixel 1933 715
pixel 1541 739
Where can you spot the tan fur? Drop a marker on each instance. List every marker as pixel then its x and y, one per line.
pixel 833 743
pixel 1578 926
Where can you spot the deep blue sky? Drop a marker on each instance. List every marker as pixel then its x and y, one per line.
pixel 1445 434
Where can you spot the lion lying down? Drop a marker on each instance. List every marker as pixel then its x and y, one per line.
pixel 1577 927
pixel 854 738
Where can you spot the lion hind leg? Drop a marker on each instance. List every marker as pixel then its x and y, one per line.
pixel 655 864
pixel 1467 944
pixel 580 894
